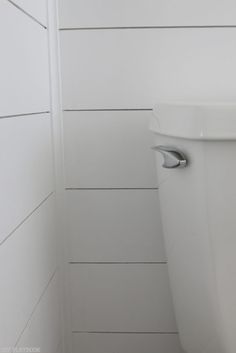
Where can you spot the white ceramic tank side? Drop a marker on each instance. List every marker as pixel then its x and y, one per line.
pixel 196 121
pixel 221 197
pixel 198 205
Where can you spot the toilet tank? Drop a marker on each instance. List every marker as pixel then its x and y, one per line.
pixel 198 209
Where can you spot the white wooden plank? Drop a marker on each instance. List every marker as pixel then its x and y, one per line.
pixel 138 68
pixel 108 149
pixel 60 348
pixel 114 225
pixel 121 297
pixel 126 343
pixel 26 168
pixel 43 330
pixel 36 8
pixel 24 72
pixel 27 261
pixel 116 13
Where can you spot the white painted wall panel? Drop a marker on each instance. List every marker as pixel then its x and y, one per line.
pixel 59 349
pixel 36 8
pixel 26 168
pixel 27 261
pixel 43 329
pixel 108 149
pixel 116 13
pixel 114 225
pixel 28 247
pixel 137 68
pixel 24 84
pixel 121 297
pixel 126 343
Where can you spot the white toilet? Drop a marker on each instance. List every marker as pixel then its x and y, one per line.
pixel 196 161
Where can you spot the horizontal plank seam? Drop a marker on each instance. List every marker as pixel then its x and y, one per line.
pixel 109 110
pixel 27 14
pixel 145 27
pixel 71 189
pixel 26 218
pixel 22 115
pixel 130 332
pixel 117 262
pixel 36 305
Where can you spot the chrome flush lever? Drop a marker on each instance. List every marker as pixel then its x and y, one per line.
pixel 173 158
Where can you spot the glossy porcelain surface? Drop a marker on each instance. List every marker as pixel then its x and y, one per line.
pixel 196 121
pixel 198 206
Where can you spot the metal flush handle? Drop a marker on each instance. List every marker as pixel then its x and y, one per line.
pixel 173 158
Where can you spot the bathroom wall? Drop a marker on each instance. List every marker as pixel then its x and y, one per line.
pixel 29 276
pixel 119 58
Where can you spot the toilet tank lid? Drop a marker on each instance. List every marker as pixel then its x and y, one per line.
pixel 201 121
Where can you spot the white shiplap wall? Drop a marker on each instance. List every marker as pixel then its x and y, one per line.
pixel 135 68
pixel 139 13
pixel 119 58
pixel 24 63
pixel 29 304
